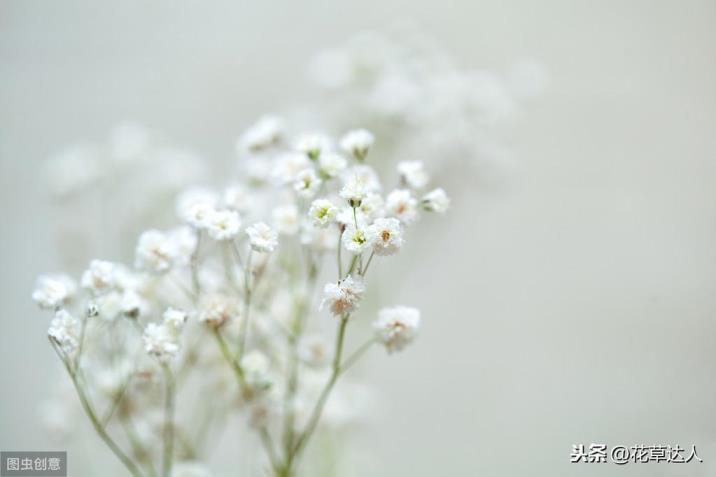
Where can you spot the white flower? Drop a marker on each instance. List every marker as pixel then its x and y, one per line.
pixel 306 183
pixel 372 205
pixel 174 318
pixel 402 205
pixel 255 365
pixel 99 277
pixel 344 297
pixel 161 341
pixel 223 224
pixel 346 216
pixel 194 206
pixel 215 310
pixel 397 327
pixel 264 133
pixel 288 167
pixel 155 252
pixel 366 175
pixel 354 190
pixel 436 201
pixel 331 164
pixel 52 291
pixel 357 142
pixel 285 219
pixel 386 235
pixel 182 244
pixel 322 212
pixel 262 238
pixel 413 174
pixel 313 350
pixel 355 240
pixel 65 330
pixel 132 304
pixel 313 145
pixel 237 198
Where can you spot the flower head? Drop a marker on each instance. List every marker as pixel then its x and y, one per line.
pixel 264 133
pixel 262 238
pixel 313 145
pixel 306 183
pixel 195 206
pixel 354 190
pixel 343 297
pixel 285 219
pixel 215 310
pixel 155 252
pixel 357 142
pixel 386 235
pixel 436 201
pixel 52 291
pixel 322 212
pixel 223 224
pixel 356 239
pixel 65 330
pixel 331 164
pixel 174 318
pixel 396 327
pixel 99 277
pixel 402 205
pixel 413 174
pixel 161 341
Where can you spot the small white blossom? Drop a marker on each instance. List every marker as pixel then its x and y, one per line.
pixel 161 341
pixel 366 175
pixel 174 318
pixel 306 183
pixel 356 240
pixel 357 142
pixel 264 133
pixel 132 304
pixel 262 238
pixel 343 297
pixel 402 205
pixel 223 224
pixel 255 365
pixel 413 174
pixel 288 166
pixel 195 206
pixel 286 219
pixel 99 277
pixel 331 164
pixel 65 330
pixel 396 327
pixel 354 190
pixel 386 235
pixel 436 201
pixel 313 145
pixel 52 291
pixel 216 309
pixel 372 206
pixel 155 252
pixel 322 212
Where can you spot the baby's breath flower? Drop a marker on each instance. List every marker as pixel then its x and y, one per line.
pixel 307 183
pixel 288 166
pixel 52 291
pixel 396 327
pixel 343 297
pixel 161 341
pixel 264 133
pixel 436 201
pixel 356 240
pixel 402 205
pixel 331 164
pixel 313 145
pixel 255 365
pixel 99 277
pixel 366 175
pixel 357 142
pixel 182 243
pixel 175 318
pixel 354 190
pixel 412 173
pixel 132 304
pixel 372 205
pixel 216 309
pixel 348 216
pixel 386 235
pixel 223 224
pixel 322 212
pixel 155 252
pixel 262 238
pixel 195 206
pixel 314 351
pixel 285 219
pixel 65 330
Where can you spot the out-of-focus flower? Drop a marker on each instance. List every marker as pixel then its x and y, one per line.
pixel 436 201
pixel 357 142
pixel 52 291
pixel 286 220
pixel 155 252
pixel 196 205
pixel 306 183
pixel 65 330
pixel 223 224
pixel 262 237
pixel 264 133
pixel 99 277
pixel 396 327
pixel 313 145
pixel 331 164
pixel 386 236
pixel 217 309
pixel 413 174
pixel 401 204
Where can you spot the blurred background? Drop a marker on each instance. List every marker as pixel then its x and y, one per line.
pixel 572 302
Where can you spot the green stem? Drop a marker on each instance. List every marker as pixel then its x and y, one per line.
pixel 169 390
pixel 244 324
pixel 194 263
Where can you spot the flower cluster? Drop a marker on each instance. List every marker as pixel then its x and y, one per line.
pixel 237 276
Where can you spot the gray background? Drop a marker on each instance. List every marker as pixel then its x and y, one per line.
pixel 576 304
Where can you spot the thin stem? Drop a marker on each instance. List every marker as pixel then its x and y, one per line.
pixel 353 265
pixel 370 259
pixel 136 443
pixel 356 355
pixel 194 264
pixel 269 447
pixel 89 410
pixel 244 325
pixel 340 261
pixel 80 346
pixel 235 366
pixel 116 401
pixel 169 390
